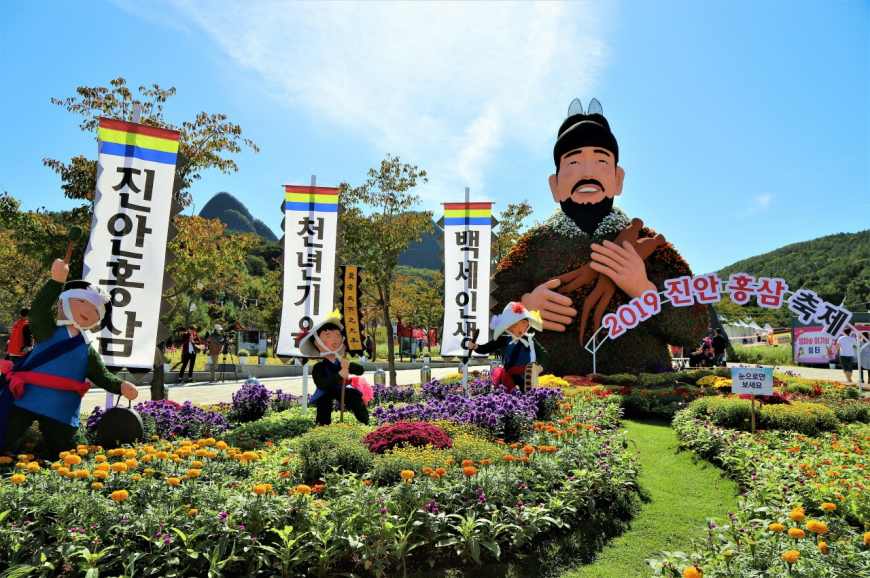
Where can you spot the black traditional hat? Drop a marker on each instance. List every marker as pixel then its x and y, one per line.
pixel 584 130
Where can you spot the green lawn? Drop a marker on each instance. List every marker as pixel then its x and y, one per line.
pixel 680 492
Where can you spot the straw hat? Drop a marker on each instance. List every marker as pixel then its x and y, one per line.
pixel 513 312
pixel 307 345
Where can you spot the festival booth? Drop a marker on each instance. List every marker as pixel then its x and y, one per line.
pixel 812 346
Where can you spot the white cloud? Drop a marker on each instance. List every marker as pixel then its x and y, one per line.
pixel 759 204
pixel 445 85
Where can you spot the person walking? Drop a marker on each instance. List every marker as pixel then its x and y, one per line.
pixel 20 339
pixel 191 344
pixel 845 349
pixel 216 344
pixel 720 344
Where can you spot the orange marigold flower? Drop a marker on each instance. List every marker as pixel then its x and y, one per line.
pixel 72 460
pixel 303 489
pixel 823 548
pixel 173 481
pixel 828 506
pixel 797 514
pixel 817 527
pixel 434 475
pixel 262 489
pixel 469 471
pixel 440 471
pixel 528 450
pixel 17 478
pixel 466 463
pixel 508 458
pixel 97 485
pixel 193 512
pixel 367 483
pixel 427 471
pixel 796 533
pixel 486 462
pixel 120 495
pixel 691 572
pixel 33 467
pixel 119 467
pixel 791 556
pixel 867 538
pixel 62 471
pixel 777 528
pixel 407 474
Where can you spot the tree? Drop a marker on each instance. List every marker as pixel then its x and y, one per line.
pixel 419 299
pixel 20 278
pixel 374 241
pixel 203 141
pixel 206 260
pixel 510 226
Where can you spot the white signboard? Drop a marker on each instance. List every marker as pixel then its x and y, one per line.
pixel 752 380
pixel 310 227
pixel 126 253
pixel 467 255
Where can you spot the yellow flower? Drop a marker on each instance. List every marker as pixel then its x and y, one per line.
pixel 817 527
pixel 100 458
pixel 192 473
pixel 62 471
pixel 303 489
pixel 161 455
pixel 131 463
pixel 120 495
pixel 130 454
pixel 17 478
pixel 136 478
pixel 829 507
pixel 796 533
pixel 119 467
pixel 823 548
pixel 82 451
pixel 777 528
pixel 221 445
pixel 97 485
pixel 99 474
pixel 797 514
pixel 193 512
pixel 791 556
pixel 691 572
pixel 251 456
pixel 82 474
pixel 407 474
pixel 104 467
pixel 173 481
pixel 63 455
pixel 867 538
pixel 262 489
pixel 33 467
pixel 72 460
pixel 5 460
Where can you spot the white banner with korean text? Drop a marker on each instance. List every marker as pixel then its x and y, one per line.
pixel 310 230
pixel 126 253
pixel 467 257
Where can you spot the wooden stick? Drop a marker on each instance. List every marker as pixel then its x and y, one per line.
pixel 341 405
pixel 753 412
pixel 69 250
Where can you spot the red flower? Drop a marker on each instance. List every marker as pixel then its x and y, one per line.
pixel 518 308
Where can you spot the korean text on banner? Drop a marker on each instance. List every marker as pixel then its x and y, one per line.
pixel 310 228
pixel 126 253
pixel 467 256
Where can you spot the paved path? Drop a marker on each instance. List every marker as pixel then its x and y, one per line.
pixel 207 393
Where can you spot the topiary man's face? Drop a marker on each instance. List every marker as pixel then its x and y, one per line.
pixel 587 175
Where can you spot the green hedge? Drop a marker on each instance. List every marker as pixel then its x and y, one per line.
pixel 762 354
pixel 337 446
pixel 847 410
pixel 273 427
pixel 736 413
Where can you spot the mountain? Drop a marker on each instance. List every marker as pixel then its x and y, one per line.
pixel 235 215
pixel 423 254
pixel 836 267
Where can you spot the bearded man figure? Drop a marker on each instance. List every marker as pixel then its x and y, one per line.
pixel 588 258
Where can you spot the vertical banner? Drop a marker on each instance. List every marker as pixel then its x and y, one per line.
pixel 310 229
pixel 350 282
pixel 126 253
pixel 467 257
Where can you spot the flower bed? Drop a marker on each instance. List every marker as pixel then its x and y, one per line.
pixel 207 506
pixel 804 511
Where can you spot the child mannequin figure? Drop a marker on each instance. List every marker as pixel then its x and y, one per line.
pixel 48 384
pixel 518 347
pixel 332 373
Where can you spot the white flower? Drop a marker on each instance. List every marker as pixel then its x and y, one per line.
pixel 613 223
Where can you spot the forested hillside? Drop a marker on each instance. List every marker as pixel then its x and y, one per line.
pixel 236 216
pixel 837 267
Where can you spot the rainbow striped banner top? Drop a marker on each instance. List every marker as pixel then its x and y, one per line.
pixel 467 214
pixel 128 139
pixel 302 198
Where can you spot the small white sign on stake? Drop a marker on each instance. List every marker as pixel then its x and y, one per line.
pixel 757 380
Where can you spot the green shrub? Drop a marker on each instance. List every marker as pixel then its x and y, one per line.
pixel 338 445
pixel 620 379
pixel 762 354
pixel 656 380
pixel 801 417
pixel 694 375
pixel 389 465
pixel 801 388
pixel 730 412
pixel 847 410
pixel 272 428
pixel 476 449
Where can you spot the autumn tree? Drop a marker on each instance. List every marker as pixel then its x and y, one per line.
pixel 378 226
pixel 419 299
pixel 205 260
pixel 510 227
pixel 21 277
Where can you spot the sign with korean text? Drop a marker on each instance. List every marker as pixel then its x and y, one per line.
pixel 126 253
pixel 350 280
pixel 310 228
pixel 752 380
pixel 467 255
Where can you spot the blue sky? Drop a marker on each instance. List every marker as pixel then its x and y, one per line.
pixel 742 126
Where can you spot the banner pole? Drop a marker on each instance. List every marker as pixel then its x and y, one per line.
pixel 305 387
pixel 752 396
